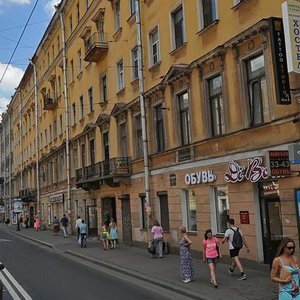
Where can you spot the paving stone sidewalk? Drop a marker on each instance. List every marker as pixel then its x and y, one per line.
pixel 164 272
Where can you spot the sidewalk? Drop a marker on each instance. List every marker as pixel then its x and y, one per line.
pixel 164 272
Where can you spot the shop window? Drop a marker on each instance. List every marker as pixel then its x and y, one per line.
pixel 222 208
pixel 164 211
pixel 143 212
pixel 189 210
pixel 257 90
pixel 216 106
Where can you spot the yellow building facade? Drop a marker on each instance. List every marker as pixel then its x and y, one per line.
pixel 215 128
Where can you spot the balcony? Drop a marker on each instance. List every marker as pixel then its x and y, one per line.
pixel 95 47
pixel 28 195
pixel 49 103
pixel 110 172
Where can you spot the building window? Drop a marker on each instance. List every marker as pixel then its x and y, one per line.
pixel 208 12
pixel 50 133
pixel 59 85
pixel 257 90
pixel 58 44
pixel 103 88
pixel 117 15
pixel 55 128
pixel 120 70
pixel 178 27
pixel 72 70
pixel 46 137
pixel 164 211
pixel 70 24
pixel 74 113
pixel 132 7
pixel 78 12
pixel 135 67
pixel 154 44
pixel 75 160
pixel 222 207
pixel 79 59
pixel 91 99
pixel 159 129
pixel 216 105
pixel 123 140
pixel 92 151
pixel 81 107
pixel 139 137
pixel 184 118
pixel 143 212
pixel 189 212
pixel 60 124
pixel 86 5
pixel 83 160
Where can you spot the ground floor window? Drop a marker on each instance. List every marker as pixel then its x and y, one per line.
pixel 222 207
pixel 189 210
pixel 143 212
pixel 164 211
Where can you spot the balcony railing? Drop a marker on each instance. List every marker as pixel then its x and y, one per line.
pixel 49 103
pixel 95 47
pixel 112 168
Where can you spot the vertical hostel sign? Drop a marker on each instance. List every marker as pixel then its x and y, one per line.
pixel 291 25
pixel 279 62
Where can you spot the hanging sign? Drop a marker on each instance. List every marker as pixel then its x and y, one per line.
pixel 279 163
pixel 253 172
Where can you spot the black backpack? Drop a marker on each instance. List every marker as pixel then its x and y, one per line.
pixel 237 240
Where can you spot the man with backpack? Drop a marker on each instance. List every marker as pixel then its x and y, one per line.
pixel 236 240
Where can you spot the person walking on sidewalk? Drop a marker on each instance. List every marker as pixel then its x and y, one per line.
pixel 157 237
pixel 113 234
pixel 77 225
pixel 186 265
pixel 83 233
pixel 285 271
pixel 55 224
pixel 236 240
pixel 105 236
pixel 64 222
pixel 36 224
pixel 211 255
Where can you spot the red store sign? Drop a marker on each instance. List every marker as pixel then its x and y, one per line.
pixel 253 172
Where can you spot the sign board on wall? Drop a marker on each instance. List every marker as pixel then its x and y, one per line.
pixel 17 205
pixel 206 176
pixel 291 25
pixel 279 163
pixel 281 75
pixel 56 198
pixel 244 217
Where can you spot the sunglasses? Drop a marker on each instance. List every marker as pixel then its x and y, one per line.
pixel 291 247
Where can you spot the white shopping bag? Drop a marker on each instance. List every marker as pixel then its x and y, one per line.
pixel 79 240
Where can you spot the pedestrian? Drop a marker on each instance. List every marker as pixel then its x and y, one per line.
pixel 113 234
pixel 186 265
pixel 7 222
pixel 157 237
pixel 64 222
pixel 236 240
pixel 19 222
pixel 285 270
pixel 36 224
pixel 26 221
pixel 105 236
pixel 83 229
pixel 77 225
pixel 211 255
pixel 55 224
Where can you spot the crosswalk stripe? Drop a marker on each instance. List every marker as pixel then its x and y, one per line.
pixel 9 287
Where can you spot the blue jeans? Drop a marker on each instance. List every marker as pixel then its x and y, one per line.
pixel 158 247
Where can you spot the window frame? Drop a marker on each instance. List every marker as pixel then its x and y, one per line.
pixel 214 15
pixel 143 215
pixel 175 42
pixel 120 75
pixel 135 66
pixel 186 211
pixel 184 112
pixel 117 15
pixel 91 99
pixel 123 139
pixel 79 59
pixel 139 151
pixel 159 123
pixel 81 104
pixel 153 43
pixel 164 217
pixel 104 88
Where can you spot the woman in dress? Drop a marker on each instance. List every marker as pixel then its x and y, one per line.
pixel 211 255
pixel 113 234
pixel 186 265
pixel 105 236
pixel 36 224
pixel 285 271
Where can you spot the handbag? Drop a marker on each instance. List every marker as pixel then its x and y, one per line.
pixel 284 273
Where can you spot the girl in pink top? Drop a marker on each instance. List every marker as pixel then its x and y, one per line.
pixel 36 223
pixel 211 255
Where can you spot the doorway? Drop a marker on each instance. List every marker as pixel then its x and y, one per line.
pixel 91 212
pixel 126 220
pixel 108 210
pixel 271 218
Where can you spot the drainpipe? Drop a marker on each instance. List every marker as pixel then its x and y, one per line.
pixel 37 156
pixel 59 11
pixel 143 113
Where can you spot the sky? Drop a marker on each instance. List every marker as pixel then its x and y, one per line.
pixel 13 17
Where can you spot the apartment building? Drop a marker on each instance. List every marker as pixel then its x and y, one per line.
pixel 218 133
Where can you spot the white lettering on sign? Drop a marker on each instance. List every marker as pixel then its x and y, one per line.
pixel 199 177
pixel 253 172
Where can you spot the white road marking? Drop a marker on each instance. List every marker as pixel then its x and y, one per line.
pixel 9 287
pixel 17 285
pixel 4 240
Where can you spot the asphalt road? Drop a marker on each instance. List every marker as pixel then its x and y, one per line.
pixel 47 274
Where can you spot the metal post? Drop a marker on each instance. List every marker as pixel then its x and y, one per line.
pixel 143 113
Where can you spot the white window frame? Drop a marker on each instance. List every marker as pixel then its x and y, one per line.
pixel 117 15
pixel 132 6
pixel 134 60
pixel 103 88
pixel 120 75
pixel 201 15
pixel 151 45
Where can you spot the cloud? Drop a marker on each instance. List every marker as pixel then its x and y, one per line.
pixel 10 80
pixel 49 8
pixel 3 103
pixel 2 2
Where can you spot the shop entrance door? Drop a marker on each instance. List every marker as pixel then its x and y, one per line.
pixel 92 220
pixel 126 221
pixel 108 210
pixel 271 219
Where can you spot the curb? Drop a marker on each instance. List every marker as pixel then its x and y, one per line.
pixel 137 275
